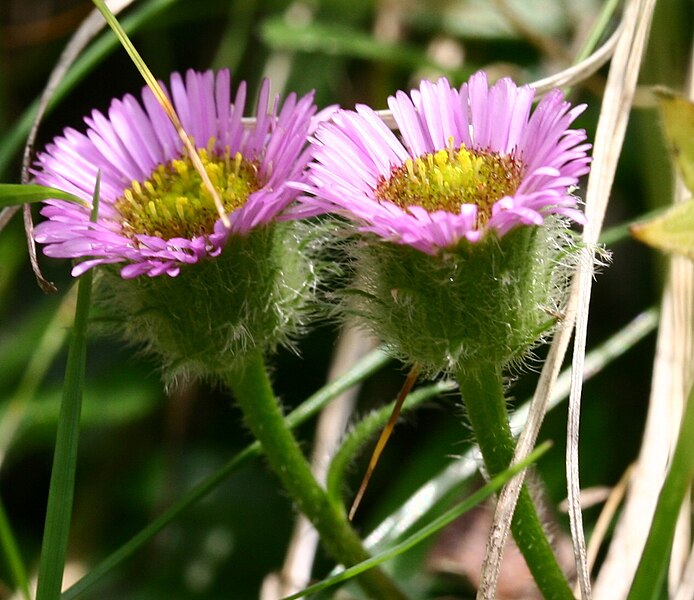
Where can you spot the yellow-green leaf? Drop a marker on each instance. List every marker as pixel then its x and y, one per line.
pixel 678 121
pixel 672 231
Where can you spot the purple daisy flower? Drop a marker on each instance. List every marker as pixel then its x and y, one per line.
pixel 154 213
pixel 470 160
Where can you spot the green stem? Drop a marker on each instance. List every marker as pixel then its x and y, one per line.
pixel 256 399
pixel 365 367
pixel 650 575
pixel 483 395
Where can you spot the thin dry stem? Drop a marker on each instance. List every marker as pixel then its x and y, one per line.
pixel 602 525
pixel 383 438
pixel 619 95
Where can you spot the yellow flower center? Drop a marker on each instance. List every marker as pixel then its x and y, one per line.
pixel 445 179
pixel 174 202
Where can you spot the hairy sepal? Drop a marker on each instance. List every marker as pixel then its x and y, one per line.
pixel 256 295
pixel 490 301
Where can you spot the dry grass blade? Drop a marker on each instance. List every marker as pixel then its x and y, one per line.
pixel 509 495
pixel 609 138
pixel 614 115
pixel 383 438
pixel 672 378
pixel 602 525
pixel 686 589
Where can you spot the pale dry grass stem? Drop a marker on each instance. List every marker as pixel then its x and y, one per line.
pixel 614 114
pixel 673 376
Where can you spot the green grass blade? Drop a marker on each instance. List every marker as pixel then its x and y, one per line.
pixel 15 194
pixel 599 28
pixel 366 367
pixel 62 485
pixel 650 575
pixel 436 525
pixel 12 555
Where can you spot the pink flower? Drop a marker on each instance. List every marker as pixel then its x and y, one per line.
pixel 467 161
pixel 154 215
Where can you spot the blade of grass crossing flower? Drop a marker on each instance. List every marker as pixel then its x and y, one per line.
pixel 652 569
pixel 61 490
pixel 383 438
pixel 366 367
pixel 430 529
pixel 159 94
pixel 15 194
pixel 12 555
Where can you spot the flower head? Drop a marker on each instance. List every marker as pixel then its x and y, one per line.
pixel 469 161
pixel 155 214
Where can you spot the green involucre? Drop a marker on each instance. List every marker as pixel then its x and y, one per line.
pixel 255 295
pixel 491 301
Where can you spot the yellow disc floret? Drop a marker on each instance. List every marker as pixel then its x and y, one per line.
pixel 174 202
pixel 445 179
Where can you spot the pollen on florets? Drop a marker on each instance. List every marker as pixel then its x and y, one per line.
pixel 467 163
pixel 448 178
pixel 168 220
pixel 174 202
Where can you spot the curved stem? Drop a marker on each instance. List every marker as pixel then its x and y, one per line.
pixel 483 395
pixel 262 413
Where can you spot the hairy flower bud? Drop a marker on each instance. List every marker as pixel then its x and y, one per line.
pixel 466 249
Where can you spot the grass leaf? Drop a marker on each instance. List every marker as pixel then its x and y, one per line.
pixel 62 485
pixel 16 194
